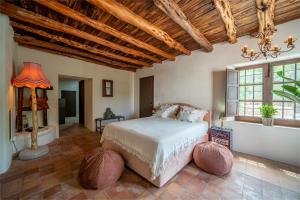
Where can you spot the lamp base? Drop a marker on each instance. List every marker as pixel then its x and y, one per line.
pixel 28 154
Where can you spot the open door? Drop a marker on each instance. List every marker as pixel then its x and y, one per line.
pixel 146 96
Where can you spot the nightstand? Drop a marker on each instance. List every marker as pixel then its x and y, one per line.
pixel 221 136
pixel 100 127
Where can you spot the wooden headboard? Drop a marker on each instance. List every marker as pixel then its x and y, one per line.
pixel 206 118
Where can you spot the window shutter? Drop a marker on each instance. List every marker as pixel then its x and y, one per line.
pixel 232 93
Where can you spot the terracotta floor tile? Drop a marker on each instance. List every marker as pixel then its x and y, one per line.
pixel 55 177
pixel 52 191
pixel 79 196
pixel 12 188
pixel 125 191
pixel 147 196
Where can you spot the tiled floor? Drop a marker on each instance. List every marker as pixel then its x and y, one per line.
pixel 55 177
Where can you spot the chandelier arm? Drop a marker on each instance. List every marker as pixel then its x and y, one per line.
pixel 289 49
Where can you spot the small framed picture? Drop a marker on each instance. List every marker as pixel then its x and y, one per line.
pixel 107 88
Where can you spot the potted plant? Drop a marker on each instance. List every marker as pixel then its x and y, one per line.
pixel 267 112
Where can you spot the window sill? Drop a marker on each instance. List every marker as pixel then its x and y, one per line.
pixel 277 122
pixel 260 125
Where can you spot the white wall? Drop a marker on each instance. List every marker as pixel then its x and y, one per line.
pixel 6 101
pixel 190 80
pixel 70 85
pixel 55 66
pixel 275 143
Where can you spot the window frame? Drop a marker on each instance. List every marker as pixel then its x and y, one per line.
pixel 263 83
pixel 267 92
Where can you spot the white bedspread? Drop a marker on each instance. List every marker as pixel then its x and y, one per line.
pixel 154 139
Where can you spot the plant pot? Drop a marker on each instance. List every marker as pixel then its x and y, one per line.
pixel 267 121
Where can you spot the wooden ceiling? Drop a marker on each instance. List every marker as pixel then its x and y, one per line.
pixel 127 34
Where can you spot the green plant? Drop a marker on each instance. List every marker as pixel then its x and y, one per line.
pixel 267 111
pixel 290 92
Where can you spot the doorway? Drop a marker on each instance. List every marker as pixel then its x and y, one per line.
pixel 146 96
pixel 71 102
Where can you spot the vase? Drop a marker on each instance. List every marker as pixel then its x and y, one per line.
pixel 267 121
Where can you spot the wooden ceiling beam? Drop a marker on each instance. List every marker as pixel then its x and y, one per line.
pixel 171 9
pixel 224 8
pixel 55 47
pixel 30 17
pixel 74 56
pixel 123 13
pixel 64 10
pixel 73 43
pixel 265 14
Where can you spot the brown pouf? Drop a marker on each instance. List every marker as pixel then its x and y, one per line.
pixel 100 168
pixel 213 158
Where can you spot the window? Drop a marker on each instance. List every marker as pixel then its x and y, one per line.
pixel 250 91
pixel 286 108
pixel 255 87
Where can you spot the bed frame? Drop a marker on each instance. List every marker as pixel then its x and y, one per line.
pixel 172 165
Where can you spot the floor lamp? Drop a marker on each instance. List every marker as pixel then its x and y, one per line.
pixel 31 76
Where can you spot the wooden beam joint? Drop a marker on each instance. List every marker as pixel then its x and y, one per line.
pixel 123 13
pixel 265 14
pixel 224 8
pixel 170 8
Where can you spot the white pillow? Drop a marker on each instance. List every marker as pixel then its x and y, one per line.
pixel 189 114
pixel 170 112
pixel 197 115
pixel 184 113
pixel 160 109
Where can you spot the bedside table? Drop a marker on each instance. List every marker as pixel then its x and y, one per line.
pixel 100 127
pixel 221 136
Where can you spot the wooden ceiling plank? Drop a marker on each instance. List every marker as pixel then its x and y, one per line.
pixel 74 56
pixel 265 14
pixel 32 41
pixel 224 8
pixel 123 13
pixel 64 10
pixel 30 17
pixel 171 9
pixel 71 42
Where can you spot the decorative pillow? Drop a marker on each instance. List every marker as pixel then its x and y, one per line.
pixel 160 109
pixel 189 114
pixel 197 115
pixel 170 112
pixel 184 113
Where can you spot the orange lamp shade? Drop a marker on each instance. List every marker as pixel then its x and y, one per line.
pixel 32 76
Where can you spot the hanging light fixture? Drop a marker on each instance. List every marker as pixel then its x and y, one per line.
pixel 265 46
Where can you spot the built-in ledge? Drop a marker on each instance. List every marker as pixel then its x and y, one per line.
pixel 278 143
pixel 45 136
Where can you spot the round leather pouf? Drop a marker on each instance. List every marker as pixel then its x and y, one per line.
pixel 100 168
pixel 213 158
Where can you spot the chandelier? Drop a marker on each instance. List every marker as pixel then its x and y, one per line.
pixel 265 46
pixel 264 35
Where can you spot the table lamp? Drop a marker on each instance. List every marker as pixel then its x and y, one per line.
pixel 32 77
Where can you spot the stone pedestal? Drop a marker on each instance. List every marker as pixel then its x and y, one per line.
pixel 29 154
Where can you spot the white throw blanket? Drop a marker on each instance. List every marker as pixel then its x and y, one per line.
pixel 153 139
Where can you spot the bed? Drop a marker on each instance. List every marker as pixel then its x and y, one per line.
pixel 155 148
